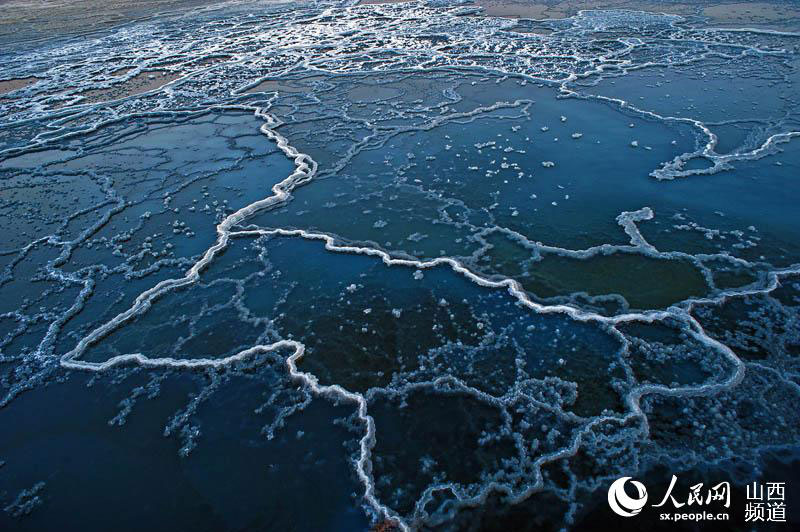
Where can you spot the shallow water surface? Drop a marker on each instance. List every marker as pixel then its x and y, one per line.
pixel 394 267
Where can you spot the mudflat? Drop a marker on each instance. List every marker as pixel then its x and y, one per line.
pixel 23 20
pixel 766 15
pixel 138 84
pixel 9 85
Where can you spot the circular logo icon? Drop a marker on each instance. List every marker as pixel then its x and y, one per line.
pixel 621 503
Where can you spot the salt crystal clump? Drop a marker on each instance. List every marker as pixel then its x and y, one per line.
pixel 634 144
pixel 548 164
pixel 577 135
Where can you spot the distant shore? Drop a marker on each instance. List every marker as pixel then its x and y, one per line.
pixel 764 15
pixel 30 20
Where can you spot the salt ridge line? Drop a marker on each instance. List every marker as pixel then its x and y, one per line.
pixel 633 399
pixel 367 442
pixel 638 246
pixel 138 358
pixel 44 348
pixel 449 15
pixel 305 169
pixel 364 464
pixel 668 170
pixel 673 169
pixel 281 192
pixel 627 220
pixel 516 290
pixel 514 287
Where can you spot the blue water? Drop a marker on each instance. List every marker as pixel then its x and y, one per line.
pixel 394 266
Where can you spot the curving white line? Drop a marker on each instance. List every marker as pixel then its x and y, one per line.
pixel 305 169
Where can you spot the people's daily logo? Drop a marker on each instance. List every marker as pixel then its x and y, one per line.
pixel 621 502
pixel 766 501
